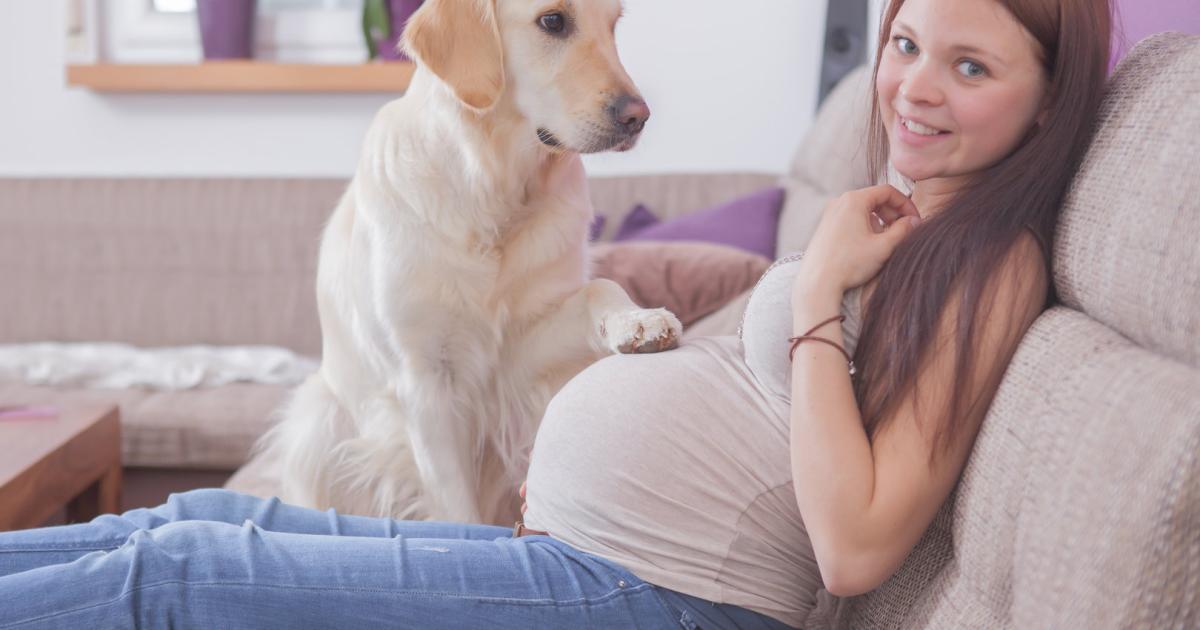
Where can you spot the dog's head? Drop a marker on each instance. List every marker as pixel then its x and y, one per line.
pixel 557 59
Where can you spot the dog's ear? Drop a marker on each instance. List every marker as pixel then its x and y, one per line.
pixel 459 41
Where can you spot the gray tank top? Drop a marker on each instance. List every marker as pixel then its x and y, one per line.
pixel 677 465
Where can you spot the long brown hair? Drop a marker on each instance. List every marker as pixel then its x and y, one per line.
pixel 959 249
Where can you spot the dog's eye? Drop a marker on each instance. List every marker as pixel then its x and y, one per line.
pixel 553 23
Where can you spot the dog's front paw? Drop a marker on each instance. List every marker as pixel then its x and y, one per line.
pixel 642 330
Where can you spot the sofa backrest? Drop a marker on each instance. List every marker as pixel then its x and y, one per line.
pixel 161 262
pixel 670 195
pixel 158 262
pixel 831 159
pixel 1080 504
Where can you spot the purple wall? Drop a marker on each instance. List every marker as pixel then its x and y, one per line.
pixel 1135 19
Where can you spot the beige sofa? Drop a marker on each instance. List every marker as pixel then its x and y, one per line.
pixel 202 261
pixel 1080 507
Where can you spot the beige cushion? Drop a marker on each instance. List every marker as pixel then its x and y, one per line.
pixel 1128 246
pixel 204 428
pixel 163 262
pixel 725 321
pixel 1080 505
pixel 690 279
pixel 831 159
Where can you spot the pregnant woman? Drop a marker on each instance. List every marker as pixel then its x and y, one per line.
pixel 724 484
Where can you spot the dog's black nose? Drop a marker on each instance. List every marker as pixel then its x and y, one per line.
pixel 630 113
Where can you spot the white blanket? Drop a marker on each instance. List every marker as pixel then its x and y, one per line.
pixel 112 365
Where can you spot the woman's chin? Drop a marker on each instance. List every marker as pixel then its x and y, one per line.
pixel 913 172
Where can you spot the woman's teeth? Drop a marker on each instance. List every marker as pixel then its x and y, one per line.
pixel 918 128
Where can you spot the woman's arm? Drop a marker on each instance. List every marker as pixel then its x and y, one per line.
pixel 865 505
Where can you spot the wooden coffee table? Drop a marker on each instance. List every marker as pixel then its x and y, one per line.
pixel 73 459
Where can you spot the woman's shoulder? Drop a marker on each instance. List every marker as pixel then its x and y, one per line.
pixel 774 286
pixel 1027 261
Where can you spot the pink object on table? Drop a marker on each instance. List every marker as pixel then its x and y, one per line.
pixel 27 412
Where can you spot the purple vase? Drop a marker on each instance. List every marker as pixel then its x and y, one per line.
pixel 226 28
pixel 401 10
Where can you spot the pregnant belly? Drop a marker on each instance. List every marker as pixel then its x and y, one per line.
pixel 645 448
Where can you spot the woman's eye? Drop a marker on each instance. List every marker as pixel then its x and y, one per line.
pixel 553 23
pixel 906 46
pixel 971 70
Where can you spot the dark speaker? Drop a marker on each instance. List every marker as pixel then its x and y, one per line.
pixel 845 42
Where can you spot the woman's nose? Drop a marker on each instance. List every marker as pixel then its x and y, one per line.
pixel 920 86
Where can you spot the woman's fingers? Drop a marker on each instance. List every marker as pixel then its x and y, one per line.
pixel 522 490
pixel 890 204
pixel 900 229
pixel 878 223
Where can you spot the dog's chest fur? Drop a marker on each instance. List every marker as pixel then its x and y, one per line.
pixel 527 251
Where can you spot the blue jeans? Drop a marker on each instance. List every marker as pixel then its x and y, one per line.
pixel 219 559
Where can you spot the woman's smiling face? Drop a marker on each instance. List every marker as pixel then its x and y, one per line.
pixel 960 84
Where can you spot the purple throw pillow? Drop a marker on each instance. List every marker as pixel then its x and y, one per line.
pixel 597 227
pixel 749 223
pixel 637 220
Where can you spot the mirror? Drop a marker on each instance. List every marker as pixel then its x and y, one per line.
pixel 185 6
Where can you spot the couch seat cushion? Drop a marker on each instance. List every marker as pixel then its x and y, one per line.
pixel 210 428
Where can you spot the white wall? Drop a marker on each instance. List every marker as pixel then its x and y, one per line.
pixel 732 86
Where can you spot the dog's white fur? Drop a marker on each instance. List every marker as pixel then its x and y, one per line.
pixel 452 284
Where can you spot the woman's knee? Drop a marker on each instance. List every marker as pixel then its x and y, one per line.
pixel 201 497
pixel 182 550
pixel 194 505
pixel 184 536
pixel 208 504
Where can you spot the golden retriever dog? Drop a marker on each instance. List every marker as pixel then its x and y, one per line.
pixel 452 283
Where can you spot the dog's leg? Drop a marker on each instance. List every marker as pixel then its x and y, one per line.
pixel 597 320
pixel 444 391
pixel 444 449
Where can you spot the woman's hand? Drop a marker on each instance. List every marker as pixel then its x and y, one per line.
pixel 524 506
pixel 857 234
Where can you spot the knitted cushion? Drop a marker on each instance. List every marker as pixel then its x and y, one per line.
pixel 1127 250
pixel 831 159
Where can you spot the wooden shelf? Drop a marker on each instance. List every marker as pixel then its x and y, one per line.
pixel 242 77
